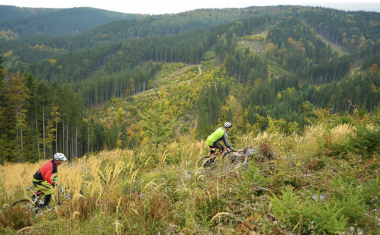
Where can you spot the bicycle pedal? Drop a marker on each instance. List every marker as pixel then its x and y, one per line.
pixel 210 163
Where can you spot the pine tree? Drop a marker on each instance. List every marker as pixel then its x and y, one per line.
pixel 2 76
pixel 18 95
pixel 44 101
pixel 76 121
pixel 31 114
pixel 156 125
pixel 56 116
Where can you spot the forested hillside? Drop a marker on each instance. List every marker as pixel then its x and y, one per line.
pixel 118 31
pixel 13 12
pixel 130 103
pixel 62 81
pixel 56 22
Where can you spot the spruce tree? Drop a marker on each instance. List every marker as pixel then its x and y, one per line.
pixel 157 126
pixel 17 96
pixel 2 75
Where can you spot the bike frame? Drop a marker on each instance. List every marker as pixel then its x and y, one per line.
pixel 61 190
pixel 223 153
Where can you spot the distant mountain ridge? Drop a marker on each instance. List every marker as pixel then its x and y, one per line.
pixel 199 68
pixel 56 22
pixel 13 12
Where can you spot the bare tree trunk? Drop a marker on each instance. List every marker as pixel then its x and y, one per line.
pixel 22 147
pixel 43 129
pixel 38 145
pixel 67 138
pixel 121 90
pixel 32 139
pixel 72 146
pixel 88 137
pixel 76 140
pixel 63 134
pixel 56 133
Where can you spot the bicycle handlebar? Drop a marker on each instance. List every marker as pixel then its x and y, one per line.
pixel 29 188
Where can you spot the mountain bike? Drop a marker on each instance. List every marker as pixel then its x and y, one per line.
pixel 34 203
pixel 210 162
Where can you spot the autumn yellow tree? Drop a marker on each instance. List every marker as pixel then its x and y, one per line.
pixel 374 68
pixel 119 116
pixel 156 125
pixel 52 61
pixel 270 49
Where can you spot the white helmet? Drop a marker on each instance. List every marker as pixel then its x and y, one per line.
pixel 60 157
pixel 227 124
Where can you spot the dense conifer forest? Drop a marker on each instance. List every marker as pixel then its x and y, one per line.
pixel 53 86
pixel 25 22
pixel 130 100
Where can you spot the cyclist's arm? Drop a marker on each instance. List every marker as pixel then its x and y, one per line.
pixel 225 140
pixel 48 175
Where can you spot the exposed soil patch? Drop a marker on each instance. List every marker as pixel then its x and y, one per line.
pixel 257 46
pixel 334 46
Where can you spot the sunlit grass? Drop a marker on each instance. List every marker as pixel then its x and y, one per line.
pixel 161 190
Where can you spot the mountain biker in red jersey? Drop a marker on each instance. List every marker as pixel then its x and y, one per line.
pixel 42 179
pixel 218 135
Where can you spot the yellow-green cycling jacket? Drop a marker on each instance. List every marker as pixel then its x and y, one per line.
pixel 218 135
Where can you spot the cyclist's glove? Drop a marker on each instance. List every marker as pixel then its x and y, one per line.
pixel 55 178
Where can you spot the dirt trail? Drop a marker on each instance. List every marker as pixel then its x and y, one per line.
pixel 335 46
pixel 259 46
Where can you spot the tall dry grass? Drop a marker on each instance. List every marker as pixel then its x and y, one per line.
pixel 94 172
pixel 341 132
pixel 99 169
pixel 307 142
pixel 145 190
pixel 15 177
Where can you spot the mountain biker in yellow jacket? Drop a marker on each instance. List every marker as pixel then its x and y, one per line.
pixel 218 135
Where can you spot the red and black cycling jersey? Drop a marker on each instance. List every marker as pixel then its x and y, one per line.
pixel 46 171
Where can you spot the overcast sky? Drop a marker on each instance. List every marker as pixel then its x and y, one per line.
pixel 176 6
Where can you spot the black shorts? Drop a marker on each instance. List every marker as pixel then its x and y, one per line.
pixel 215 146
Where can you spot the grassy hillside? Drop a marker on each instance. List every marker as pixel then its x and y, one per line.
pixel 160 190
pixel 142 108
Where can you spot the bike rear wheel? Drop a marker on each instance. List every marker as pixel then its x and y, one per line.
pixel 26 205
pixel 207 162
